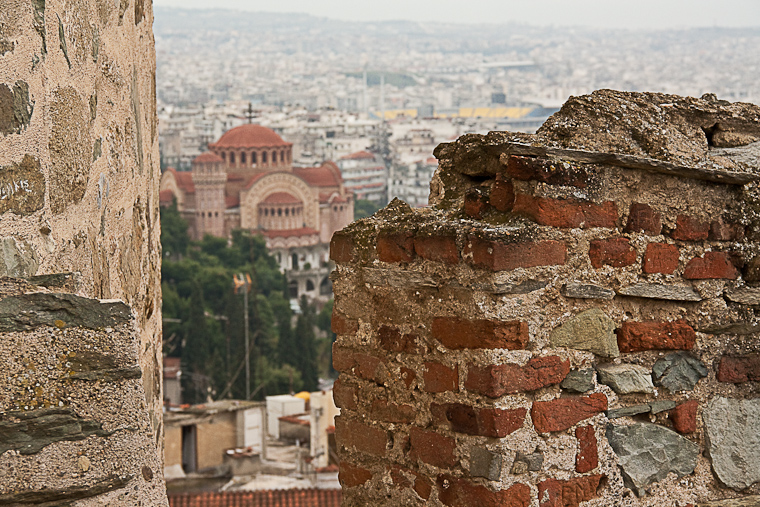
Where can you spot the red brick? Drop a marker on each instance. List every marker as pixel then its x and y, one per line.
pixel 642 218
pixel 615 252
pixel 549 171
pixel 395 246
pixel 486 422
pixel 689 228
pixel 737 369
pixel 661 258
pixel 342 248
pixel 353 434
pixel 721 230
pixel 569 493
pixel 500 379
pixel 432 448
pixel 566 213
pixel 359 364
pixel 407 376
pixel 392 340
pixel 684 417
pixel 502 194
pixel 439 378
pixel 351 476
pixel 339 324
pixel 456 492
pixel 455 333
pixel 344 396
pixel 587 458
pixel 441 248
pixel 562 413
pixel 500 256
pixel 405 478
pixel 475 203
pixel 640 336
pixel 382 410
pixel 714 265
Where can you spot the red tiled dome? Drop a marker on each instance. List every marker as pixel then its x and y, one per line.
pixel 207 157
pixel 326 175
pixel 249 136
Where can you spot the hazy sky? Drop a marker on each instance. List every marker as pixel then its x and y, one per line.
pixel 597 13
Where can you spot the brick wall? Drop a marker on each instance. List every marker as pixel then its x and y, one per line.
pixel 564 326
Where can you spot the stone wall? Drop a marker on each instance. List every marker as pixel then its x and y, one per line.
pixel 573 321
pixel 80 319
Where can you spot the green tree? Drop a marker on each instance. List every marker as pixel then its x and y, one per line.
pixel 174 236
pixel 364 208
pixel 305 340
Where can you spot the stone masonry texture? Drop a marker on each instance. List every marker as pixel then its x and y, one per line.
pixel 572 322
pixel 80 296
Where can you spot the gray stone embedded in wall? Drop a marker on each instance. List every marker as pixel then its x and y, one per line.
pixel 648 453
pixel 661 291
pixel 586 291
pixel 745 296
pixel 733 432
pixel 579 381
pixel 17 258
pixel 626 378
pixel 591 330
pixel 678 371
pixel 747 501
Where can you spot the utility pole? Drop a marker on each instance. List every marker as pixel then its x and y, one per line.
pixel 244 282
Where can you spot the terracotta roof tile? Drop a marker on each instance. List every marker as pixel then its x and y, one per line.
pixel 359 155
pixel 326 175
pixel 184 180
pixel 165 196
pixel 271 498
pixel 250 136
pixel 207 157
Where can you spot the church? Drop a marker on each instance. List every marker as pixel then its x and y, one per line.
pixel 247 180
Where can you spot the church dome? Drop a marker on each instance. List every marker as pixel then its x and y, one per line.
pixel 206 158
pixel 250 136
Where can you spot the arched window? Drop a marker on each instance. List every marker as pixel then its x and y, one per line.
pixel 263 157
pixel 294 261
pixel 242 158
pixel 282 156
pixel 266 212
pixel 224 156
pixel 293 289
pixel 232 158
pixel 274 157
pixel 309 285
pixel 287 211
pixel 325 288
pixel 253 157
pixel 279 212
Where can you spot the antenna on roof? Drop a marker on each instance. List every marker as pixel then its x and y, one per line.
pixel 249 113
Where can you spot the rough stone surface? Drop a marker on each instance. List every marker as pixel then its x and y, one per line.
pixel 15 108
pixel 747 501
pixel 640 336
pixel 660 126
pixel 661 291
pixel 485 463
pixel 733 432
pixel 591 330
pixel 626 378
pixel 745 296
pixel 562 413
pixel 527 462
pixel 17 259
pixel 629 411
pixel 586 291
pixel 579 381
pixel 648 453
pixel 678 371
pixel 22 186
pixel 23 313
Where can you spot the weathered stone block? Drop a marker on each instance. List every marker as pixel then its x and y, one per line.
pixel 569 493
pixel 455 333
pixel 485 463
pixel 527 462
pixel 661 258
pixel 456 492
pixel 498 380
pixel 579 381
pixel 587 458
pixel 648 453
pixel 626 378
pixel 684 417
pixel 714 265
pixel 501 256
pixel 483 421
pixel 661 291
pixel 566 213
pixel 733 434
pixel 432 448
pixel 591 330
pixel 22 186
pixel 679 371
pixel 689 228
pixel 615 252
pixel 639 336
pixel 737 369
pixel 642 218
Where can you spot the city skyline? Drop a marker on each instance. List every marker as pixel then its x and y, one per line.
pixel 643 14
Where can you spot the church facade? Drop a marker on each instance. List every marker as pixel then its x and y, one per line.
pixel 246 180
